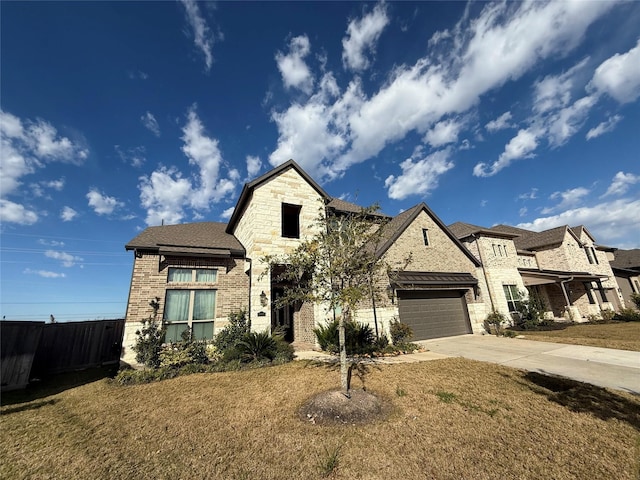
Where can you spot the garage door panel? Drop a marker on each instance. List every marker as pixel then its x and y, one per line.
pixel 435 313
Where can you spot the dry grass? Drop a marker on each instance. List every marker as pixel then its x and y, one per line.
pixel 450 419
pixel 620 335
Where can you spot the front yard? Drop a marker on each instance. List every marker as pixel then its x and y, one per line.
pixel 621 335
pixel 449 419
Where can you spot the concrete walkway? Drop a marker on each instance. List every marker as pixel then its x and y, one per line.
pixel 605 367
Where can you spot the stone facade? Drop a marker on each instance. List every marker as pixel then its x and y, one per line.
pixel 259 229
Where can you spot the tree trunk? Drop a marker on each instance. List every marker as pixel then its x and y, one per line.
pixel 344 367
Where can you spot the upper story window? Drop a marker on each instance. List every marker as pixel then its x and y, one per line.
pixel 591 255
pixel 499 250
pixel 194 275
pixel 291 220
pixel 425 236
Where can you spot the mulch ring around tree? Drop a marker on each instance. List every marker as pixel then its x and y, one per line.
pixel 334 408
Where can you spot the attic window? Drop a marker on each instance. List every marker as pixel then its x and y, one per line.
pixel 425 236
pixel 291 220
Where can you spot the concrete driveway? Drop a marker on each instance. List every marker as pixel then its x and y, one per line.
pixel 605 367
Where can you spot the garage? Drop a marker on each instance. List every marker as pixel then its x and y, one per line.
pixel 433 304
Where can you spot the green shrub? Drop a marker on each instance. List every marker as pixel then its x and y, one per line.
pixel 530 312
pixel 627 315
pixel 400 332
pixel 284 351
pixel 607 315
pixel 233 332
pixel 494 322
pixel 257 346
pixel 359 337
pixel 149 340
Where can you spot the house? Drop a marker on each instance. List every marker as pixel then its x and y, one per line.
pixel 201 272
pixel 626 268
pixel 563 266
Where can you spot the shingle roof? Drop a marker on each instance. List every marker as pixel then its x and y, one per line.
pixel 627 259
pixel 528 240
pixel 199 238
pixel 463 230
pixel 348 207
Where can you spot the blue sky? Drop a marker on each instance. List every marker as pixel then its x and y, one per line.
pixel 117 116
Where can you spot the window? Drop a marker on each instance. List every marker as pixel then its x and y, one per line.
pixel 291 220
pixel 495 253
pixel 189 308
pixel 195 309
pixel 591 255
pixel 513 297
pixel 196 275
pixel 425 236
pixel 505 250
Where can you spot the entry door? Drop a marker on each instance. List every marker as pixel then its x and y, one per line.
pixel 281 318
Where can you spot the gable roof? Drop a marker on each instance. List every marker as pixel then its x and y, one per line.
pixel 398 224
pixel 339 205
pixel 247 190
pixel 203 238
pixel 464 230
pixel 529 240
pixel 577 231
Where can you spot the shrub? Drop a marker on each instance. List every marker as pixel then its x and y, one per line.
pixel 635 298
pixel 359 337
pixel 607 315
pixel 257 346
pixel 186 352
pixel 400 332
pixel 284 351
pixel 494 321
pixel 233 332
pixel 149 340
pixel 530 312
pixel 627 315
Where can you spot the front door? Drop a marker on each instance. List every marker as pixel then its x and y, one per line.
pixel 281 318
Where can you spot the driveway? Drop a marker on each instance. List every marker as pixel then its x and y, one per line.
pixel 605 367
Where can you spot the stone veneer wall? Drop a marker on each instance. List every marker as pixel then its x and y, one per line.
pixel 149 280
pixel 260 231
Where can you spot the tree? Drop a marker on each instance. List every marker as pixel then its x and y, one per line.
pixel 336 268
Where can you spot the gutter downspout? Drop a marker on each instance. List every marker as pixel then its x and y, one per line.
pixel 564 290
pixel 484 272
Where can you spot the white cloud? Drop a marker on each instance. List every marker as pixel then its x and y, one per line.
pixel 28 146
pixel 254 164
pixel 530 195
pixel 419 177
pixel 135 156
pixel 362 35
pixel 227 213
pixel 523 211
pixel 619 76
pixel 443 133
pixel 67 214
pixel 569 120
pixel 202 36
pixel 610 222
pixel 44 273
pixel 603 127
pixel 167 192
pixel 568 198
pixel 150 123
pixel 102 204
pixel 554 91
pixel 621 183
pixel 505 41
pixel 500 123
pixel 11 212
pixel 67 259
pixel 50 243
pixel 295 72
pixel 520 146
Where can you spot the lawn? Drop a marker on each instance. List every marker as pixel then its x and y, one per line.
pixel 449 419
pixel 621 335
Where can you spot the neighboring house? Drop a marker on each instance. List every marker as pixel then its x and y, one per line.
pixel 201 272
pixel 626 268
pixel 563 265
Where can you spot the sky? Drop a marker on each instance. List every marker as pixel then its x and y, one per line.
pixel 116 116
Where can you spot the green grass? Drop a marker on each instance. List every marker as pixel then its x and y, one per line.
pixel 620 335
pixel 501 423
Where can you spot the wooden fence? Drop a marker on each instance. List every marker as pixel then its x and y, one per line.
pixel 59 348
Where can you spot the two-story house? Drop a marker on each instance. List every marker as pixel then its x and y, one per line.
pixel 201 272
pixel 626 268
pixel 563 265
